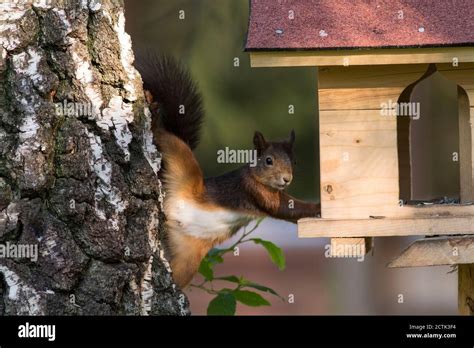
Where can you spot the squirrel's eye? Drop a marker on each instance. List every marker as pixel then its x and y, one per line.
pixel 268 161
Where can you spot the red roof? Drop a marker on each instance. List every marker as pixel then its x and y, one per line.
pixel 333 24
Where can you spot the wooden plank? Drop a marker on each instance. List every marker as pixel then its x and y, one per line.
pixel 358 148
pixel 383 76
pixel 361 57
pixel 388 78
pixel 466 289
pixel 359 168
pixel 436 252
pixel 410 211
pixel 350 247
pixel 463 78
pixel 405 212
pixel 357 98
pixel 368 88
pixel 385 227
pixel 335 121
pixel 462 75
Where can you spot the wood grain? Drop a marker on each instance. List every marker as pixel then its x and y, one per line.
pixel 359 168
pixel 466 289
pixel 436 252
pixel 361 57
pixel 384 227
pixel 350 247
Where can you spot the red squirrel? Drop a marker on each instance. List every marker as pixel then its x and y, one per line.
pixel 202 212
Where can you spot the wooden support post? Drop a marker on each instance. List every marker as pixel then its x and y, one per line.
pixel 350 247
pixel 466 289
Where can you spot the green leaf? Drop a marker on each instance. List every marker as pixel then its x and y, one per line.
pixel 205 268
pixel 215 256
pixel 249 284
pixel 250 298
pixel 231 278
pixel 275 252
pixel 261 288
pixel 215 259
pixel 222 304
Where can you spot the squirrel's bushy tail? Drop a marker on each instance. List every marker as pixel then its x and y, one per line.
pixel 179 101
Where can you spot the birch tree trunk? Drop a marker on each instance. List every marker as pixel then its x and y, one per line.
pixel 78 169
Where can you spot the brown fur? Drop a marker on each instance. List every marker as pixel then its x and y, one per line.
pixel 228 201
pixel 182 173
pixel 243 190
pixel 186 255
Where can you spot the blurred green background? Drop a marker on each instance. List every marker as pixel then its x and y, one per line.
pixel 238 100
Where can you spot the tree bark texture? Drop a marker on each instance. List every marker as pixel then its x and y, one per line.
pixel 78 168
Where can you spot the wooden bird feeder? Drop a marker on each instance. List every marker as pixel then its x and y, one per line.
pixel 396 103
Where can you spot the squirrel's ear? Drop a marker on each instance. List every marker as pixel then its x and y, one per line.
pixel 259 142
pixel 292 137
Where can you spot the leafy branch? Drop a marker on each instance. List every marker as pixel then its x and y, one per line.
pixel 225 300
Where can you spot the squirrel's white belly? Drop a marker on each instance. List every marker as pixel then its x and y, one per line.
pixel 197 221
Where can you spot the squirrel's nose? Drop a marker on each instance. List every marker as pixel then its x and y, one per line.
pixel 287 179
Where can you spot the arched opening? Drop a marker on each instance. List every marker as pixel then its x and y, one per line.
pixel 434 141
